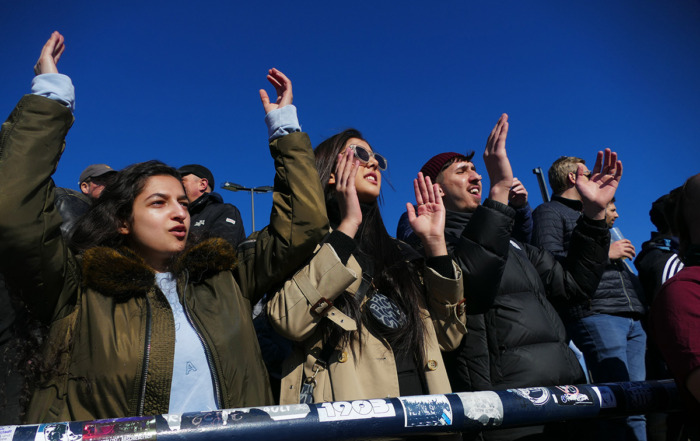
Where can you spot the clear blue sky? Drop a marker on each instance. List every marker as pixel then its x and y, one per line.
pixel 179 82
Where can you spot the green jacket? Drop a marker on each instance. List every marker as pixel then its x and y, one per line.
pixel 111 329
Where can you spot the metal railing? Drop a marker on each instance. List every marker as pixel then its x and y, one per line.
pixel 403 416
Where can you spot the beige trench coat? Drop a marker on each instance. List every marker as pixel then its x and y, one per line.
pixel 373 373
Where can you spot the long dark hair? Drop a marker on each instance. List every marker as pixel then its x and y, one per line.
pixel 395 275
pixel 100 225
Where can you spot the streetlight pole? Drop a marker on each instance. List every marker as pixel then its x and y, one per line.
pixel 232 186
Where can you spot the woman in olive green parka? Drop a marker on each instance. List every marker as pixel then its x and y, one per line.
pixel 111 343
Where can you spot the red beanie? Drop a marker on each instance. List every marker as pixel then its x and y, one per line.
pixel 436 163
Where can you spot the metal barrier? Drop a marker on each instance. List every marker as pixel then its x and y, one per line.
pixel 403 416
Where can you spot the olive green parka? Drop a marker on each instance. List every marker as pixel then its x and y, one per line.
pixel 111 331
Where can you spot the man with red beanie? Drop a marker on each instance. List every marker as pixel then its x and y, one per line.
pixel 515 337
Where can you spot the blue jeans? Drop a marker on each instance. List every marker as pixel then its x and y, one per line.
pixel 614 349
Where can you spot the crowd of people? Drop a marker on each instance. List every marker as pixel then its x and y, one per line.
pixel 142 295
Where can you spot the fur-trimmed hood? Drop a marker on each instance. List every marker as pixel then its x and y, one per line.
pixel 121 274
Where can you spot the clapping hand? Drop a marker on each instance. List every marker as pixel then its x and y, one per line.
pixel 283 87
pixel 598 190
pixel 428 219
pixel 50 54
pixel 517 196
pixel 344 179
pixel 497 163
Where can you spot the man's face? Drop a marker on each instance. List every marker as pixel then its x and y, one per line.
pixel 611 214
pixel 194 186
pixel 93 187
pixel 461 187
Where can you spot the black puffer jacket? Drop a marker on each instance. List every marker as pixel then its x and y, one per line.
pixel 211 217
pixel 619 291
pixel 516 338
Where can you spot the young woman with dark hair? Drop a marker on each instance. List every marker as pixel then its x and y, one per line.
pixel 369 316
pixel 141 322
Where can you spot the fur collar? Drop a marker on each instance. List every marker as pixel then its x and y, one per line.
pixel 121 274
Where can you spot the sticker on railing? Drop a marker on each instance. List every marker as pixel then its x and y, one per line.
pixel 25 433
pixel 605 396
pixel 428 410
pixel 6 433
pixel 59 432
pixel 538 396
pixel 484 407
pixel 355 410
pixel 122 429
pixel 572 396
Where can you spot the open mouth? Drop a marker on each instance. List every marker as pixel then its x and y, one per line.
pixel 371 177
pixel 179 231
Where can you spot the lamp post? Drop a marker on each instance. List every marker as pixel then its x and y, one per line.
pixel 232 186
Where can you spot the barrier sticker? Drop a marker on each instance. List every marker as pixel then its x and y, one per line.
pixel 122 429
pixel 7 432
pixel 572 396
pixel 484 407
pixel 57 432
pixel 539 396
pixel 25 433
pixel 355 410
pixel 428 410
pixel 605 396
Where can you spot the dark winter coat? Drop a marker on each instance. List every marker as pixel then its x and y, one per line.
pixel 112 331
pixel 211 217
pixel 515 337
pixel 619 291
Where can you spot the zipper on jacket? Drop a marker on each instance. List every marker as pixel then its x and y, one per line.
pixel 624 288
pixel 207 352
pixel 146 358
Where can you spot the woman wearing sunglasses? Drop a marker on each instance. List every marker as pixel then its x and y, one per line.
pixel 369 316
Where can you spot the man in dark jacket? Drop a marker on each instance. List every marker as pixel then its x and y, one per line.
pixel 608 329
pixel 210 216
pixel 516 339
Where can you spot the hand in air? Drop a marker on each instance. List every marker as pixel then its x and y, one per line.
pixel 497 163
pixel 517 197
pixel 283 87
pixel 50 54
pixel 428 219
pixel 345 172
pixel 598 190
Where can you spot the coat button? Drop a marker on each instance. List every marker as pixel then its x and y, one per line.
pixel 343 357
pixel 432 365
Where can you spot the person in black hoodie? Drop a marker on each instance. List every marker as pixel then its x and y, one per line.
pixel 515 337
pixel 211 217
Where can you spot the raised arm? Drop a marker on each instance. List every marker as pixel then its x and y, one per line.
pixel 428 219
pixel 33 256
pixel 298 221
pixel 598 190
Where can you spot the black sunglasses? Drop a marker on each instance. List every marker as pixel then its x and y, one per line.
pixel 365 155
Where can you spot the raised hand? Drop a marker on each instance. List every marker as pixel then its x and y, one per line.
pixel 283 87
pixel 621 249
pixel 50 54
pixel 344 179
pixel 517 196
pixel 497 163
pixel 428 220
pixel 598 190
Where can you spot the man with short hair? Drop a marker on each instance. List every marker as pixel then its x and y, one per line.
pixel 73 204
pixel 209 215
pixel 516 339
pixel 608 329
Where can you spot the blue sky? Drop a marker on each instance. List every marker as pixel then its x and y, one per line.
pixel 178 81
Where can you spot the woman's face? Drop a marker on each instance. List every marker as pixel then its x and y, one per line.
pixel 368 181
pixel 160 221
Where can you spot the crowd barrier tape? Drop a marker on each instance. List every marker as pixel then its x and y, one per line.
pixel 403 416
